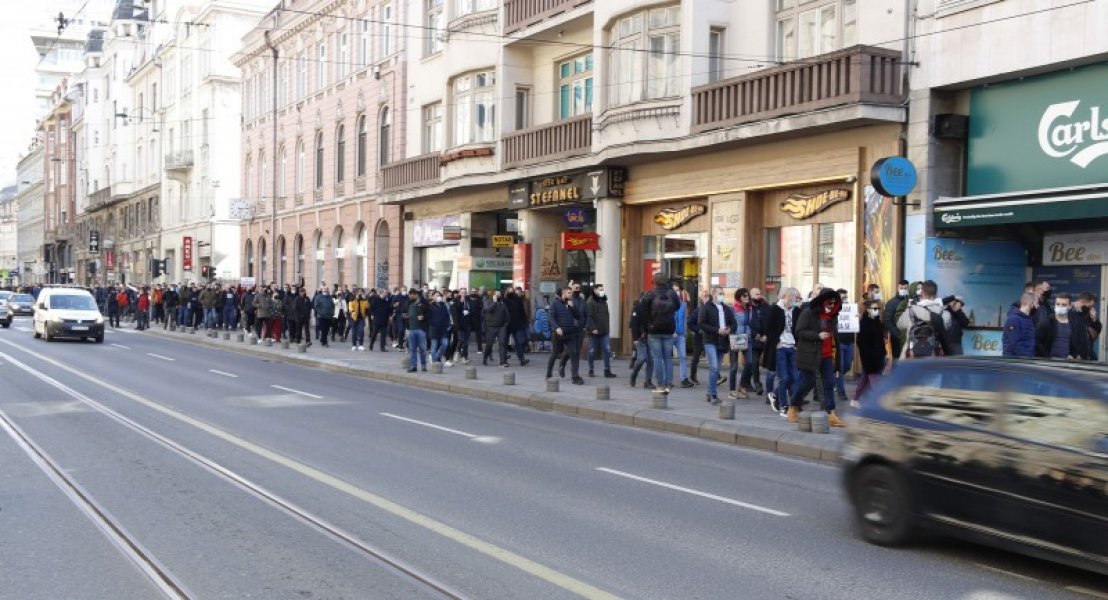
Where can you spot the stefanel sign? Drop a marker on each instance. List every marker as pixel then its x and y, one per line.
pixel 186 253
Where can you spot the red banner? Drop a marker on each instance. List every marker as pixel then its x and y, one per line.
pixel 521 266
pixel 186 254
pixel 110 259
pixel 579 240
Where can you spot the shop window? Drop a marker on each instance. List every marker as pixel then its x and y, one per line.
pixel 575 86
pixel 803 255
pixel 807 28
pixel 654 35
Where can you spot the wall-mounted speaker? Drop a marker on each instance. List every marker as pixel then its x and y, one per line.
pixel 950 127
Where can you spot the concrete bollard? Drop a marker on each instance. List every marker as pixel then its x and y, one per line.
pixel 659 399
pixel 819 422
pixel 552 385
pixel 727 410
pixel 302 348
pixel 471 372
pixel 192 330
pixel 268 342
pixel 226 335
pixel 240 336
pixel 603 392
pixel 173 325
pixel 405 363
pixel 509 379
pixel 804 422
pixel 436 368
pixel 284 344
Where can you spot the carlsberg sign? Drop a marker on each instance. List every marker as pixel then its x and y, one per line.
pixel 1040 132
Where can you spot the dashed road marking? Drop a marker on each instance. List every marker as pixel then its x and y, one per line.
pixel 231 375
pixel 768 511
pixel 159 356
pixel 122 346
pixel 431 425
pixel 283 388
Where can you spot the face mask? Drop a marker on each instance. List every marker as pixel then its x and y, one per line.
pixel 721 298
pixel 1061 311
pixel 877 295
pixel 600 294
pixel 828 309
pixel 873 312
pixel 438 298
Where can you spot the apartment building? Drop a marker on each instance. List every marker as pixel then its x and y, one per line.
pixel 59 157
pixel 9 245
pixel 723 143
pixel 30 200
pixel 324 91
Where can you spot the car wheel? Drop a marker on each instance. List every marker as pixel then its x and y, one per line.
pixel 35 330
pixel 100 339
pixel 49 336
pixel 882 506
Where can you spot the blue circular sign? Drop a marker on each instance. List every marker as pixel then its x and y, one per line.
pixel 893 176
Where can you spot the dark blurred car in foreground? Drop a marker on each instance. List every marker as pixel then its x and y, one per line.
pixel 1008 453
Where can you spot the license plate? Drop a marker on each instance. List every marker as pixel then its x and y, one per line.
pixel 80 328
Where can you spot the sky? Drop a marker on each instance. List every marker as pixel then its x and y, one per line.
pixel 17 75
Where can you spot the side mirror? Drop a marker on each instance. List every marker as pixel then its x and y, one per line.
pixel 42 306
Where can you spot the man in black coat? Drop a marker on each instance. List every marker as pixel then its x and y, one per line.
pixel 715 320
pixel 567 334
pixel 517 322
pixel 379 311
pixel 889 318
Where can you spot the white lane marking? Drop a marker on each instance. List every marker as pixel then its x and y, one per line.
pixel 283 388
pixel 122 346
pixel 512 559
pixel 166 358
pixel 768 511
pixel 1006 572
pixel 431 425
pixel 231 375
pixel 1086 591
pixel 23 328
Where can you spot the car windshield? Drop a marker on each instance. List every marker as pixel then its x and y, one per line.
pixel 72 302
pixel 22 298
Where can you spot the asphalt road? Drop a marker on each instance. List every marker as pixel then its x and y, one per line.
pixel 229 476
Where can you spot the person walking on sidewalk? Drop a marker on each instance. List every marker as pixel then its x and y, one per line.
pixel 680 336
pixel 716 321
pixel 303 308
pixel 462 311
pixel 379 310
pixel 438 328
pixel 496 323
pixel 230 308
pixel 171 301
pixel 399 304
pixel 517 323
pixel 324 307
pixel 844 358
pixel 757 322
pixel 597 325
pixel 641 354
pixel 567 334
pixel 292 319
pixel 659 310
pixel 276 315
pixel 418 323
pixel 338 321
pixel 142 317
pixel 871 349
pixel 208 299
pixel 780 356
pixel 739 355
pixel 113 308
pixel 359 312
pixel 262 312
pixel 815 354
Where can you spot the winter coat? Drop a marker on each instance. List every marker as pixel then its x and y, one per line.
pixel 809 346
pixel 1047 331
pixel 359 309
pixel 208 298
pixel 289 304
pixel 564 315
pixel 276 308
pixel 340 306
pixel 637 330
pixel 439 324
pixel 380 309
pixel 323 306
pixel 958 322
pixel 871 345
pixel 1081 338
pixel 262 306
pixel 758 313
pixel 517 312
pixel 496 317
pixel 418 308
pixel 707 321
pixel 471 321
pixel 303 309
pixel 597 316
pixel 1019 334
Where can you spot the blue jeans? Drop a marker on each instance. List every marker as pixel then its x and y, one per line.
pixel 712 352
pixel 520 340
pixel 679 343
pixel 602 343
pixel 786 373
pixel 661 349
pixel 358 337
pixel 229 314
pixel 846 360
pixel 417 343
pixel 824 380
pixel 209 318
pixel 439 344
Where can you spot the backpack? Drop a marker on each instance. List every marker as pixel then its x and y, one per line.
pixel 662 310
pixel 122 299
pixel 924 336
pixel 541 326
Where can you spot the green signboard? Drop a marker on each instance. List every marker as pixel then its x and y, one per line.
pixel 1041 132
pixel 975 214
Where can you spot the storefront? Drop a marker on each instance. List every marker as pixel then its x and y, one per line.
pixel 1037 182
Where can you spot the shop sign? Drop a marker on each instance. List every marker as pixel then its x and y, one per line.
pixel 521 265
pixel 568 188
pixel 1039 132
pixel 186 253
pixel 431 232
pixel 994 213
pixel 1076 249
pixel 674 218
pixel 485 263
pixel 549 269
pixel 574 217
pixel 110 258
pixel 503 241
pixel 893 176
pixel 803 206
pixel 451 233
pixel 580 240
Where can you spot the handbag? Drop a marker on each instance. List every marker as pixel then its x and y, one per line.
pixel 740 342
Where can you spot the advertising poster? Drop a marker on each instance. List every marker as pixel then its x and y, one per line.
pixel 990 275
pixel 915 243
pixel 983 342
pixel 186 253
pixel 1073 280
pixel 726 231
pixel 549 269
pixel 879 263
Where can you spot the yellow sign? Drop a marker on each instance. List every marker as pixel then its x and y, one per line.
pixel 802 206
pixel 503 241
pixel 672 218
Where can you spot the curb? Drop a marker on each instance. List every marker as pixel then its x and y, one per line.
pixel 788 443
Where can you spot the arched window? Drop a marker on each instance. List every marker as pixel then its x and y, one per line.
pixel 319 159
pixel 300 166
pixel 319 264
pixel 360 150
pixel 386 126
pixel 282 173
pixel 261 260
pixel 381 254
pixel 249 258
pixel 340 154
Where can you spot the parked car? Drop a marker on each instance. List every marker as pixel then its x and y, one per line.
pixel 22 304
pixel 1009 453
pixel 5 310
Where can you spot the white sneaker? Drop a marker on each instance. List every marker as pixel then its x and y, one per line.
pixel 448 363
pixel 353 348
pixel 465 361
pixel 784 414
pixel 362 348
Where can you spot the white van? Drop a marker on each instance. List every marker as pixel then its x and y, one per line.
pixel 67 312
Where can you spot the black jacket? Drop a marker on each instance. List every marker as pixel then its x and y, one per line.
pixel 647 309
pixel 707 322
pixel 517 314
pixel 379 309
pixel 774 327
pixel 758 315
pixel 564 315
pixel 889 320
pixel 871 345
pixel 1046 332
pixel 958 322
pixel 809 348
pixel 597 316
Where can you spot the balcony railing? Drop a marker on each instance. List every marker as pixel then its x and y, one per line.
pixel 571 137
pixel 413 172
pixel 858 75
pixel 521 13
pixel 179 160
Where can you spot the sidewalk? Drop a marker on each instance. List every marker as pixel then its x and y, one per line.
pixel 755 424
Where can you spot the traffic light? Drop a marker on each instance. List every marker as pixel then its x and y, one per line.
pixel 206 272
pixel 157 267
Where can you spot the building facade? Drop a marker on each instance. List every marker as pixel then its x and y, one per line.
pixel 30 200
pixel 9 245
pixel 323 99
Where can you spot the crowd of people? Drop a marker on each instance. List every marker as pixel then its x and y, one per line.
pixel 799 342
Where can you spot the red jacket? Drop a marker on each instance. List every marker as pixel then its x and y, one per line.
pixel 144 301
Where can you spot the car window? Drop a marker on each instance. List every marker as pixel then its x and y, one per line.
pixel 71 302
pixel 961 396
pixel 1055 412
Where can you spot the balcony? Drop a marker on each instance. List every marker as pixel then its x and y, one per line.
pixel 858 75
pixel 523 13
pixel 181 160
pixel 571 137
pixel 413 172
pixel 99 197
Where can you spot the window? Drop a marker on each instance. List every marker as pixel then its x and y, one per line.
pixel 386 29
pixel 574 87
pixel 435 21
pixel 432 128
pixel 343 59
pixel 321 66
pixel 474 108
pixel 805 254
pixel 340 155
pixel 263 171
pixel 360 149
pixel 363 43
pixel 523 108
pixel 283 84
pixel 282 173
pixel 384 137
pixel 468 7
pixel 716 46
pixel 654 35
pixel 301 76
pixel 319 159
pixel 249 176
pixel 300 166
pixel 299 257
pixel 1046 411
pixel 807 28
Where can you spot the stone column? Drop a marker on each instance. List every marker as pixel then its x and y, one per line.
pixel 609 225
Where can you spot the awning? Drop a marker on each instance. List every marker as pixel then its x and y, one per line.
pixel 1064 204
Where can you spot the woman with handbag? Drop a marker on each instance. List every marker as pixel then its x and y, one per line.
pixel 740 346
